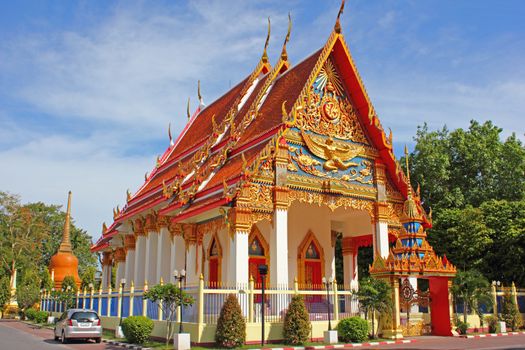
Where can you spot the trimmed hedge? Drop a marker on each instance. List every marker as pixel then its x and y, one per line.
pixel 40 317
pixel 353 329
pixel 492 322
pixel 137 329
pixel 30 314
pixel 231 326
pixel 296 322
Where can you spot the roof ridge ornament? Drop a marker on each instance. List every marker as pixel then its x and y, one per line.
pixel 284 54
pixel 201 101
pixel 265 53
pixel 188 109
pixel 169 135
pixel 337 26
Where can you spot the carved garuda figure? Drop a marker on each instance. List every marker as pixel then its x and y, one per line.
pixel 334 155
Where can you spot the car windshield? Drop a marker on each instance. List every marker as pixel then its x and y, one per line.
pixel 83 316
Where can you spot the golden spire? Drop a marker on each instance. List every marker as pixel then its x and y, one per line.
pixel 265 53
pixel 284 54
pixel 337 26
pixel 65 245
pixel 410 207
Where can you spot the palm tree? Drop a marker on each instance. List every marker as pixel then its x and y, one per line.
pixel 472 288
pixel 374 295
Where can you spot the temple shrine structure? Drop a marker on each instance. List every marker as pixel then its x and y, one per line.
pixel 272 173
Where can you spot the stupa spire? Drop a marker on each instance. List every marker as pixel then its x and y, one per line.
pixel 65 245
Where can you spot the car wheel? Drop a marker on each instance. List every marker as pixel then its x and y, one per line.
pixel 64 339
pixel 98 340
pixel 55 335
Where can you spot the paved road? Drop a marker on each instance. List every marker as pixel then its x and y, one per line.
pixel 456 343
pixel 20 336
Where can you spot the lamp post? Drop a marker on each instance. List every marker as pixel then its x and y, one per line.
pixel 122 285
pixel 496 285
pixel 328 284
pixel 263 271
pixel 180 276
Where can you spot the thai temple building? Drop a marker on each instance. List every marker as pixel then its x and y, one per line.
pixel 64 263
pixel 274 172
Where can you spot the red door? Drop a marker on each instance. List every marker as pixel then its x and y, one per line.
pixel 213 273
pixel 254 271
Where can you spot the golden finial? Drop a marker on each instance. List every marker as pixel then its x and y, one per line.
pixel 128 195
pixel 65 245
pixel 188 109
pixel 390 137
pixel 284 54
pixel 283 112
pixel 337 27
pixel 265 53
pixel 146 176
pixel 104 227
pixel 409 186
pixel 161 282
pixel 169 134
pixel 214 123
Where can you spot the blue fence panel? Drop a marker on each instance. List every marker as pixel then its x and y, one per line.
pixel 114 306
pixel 95 304
pixel 80 303
pixel 137 305
pixel 521 303
pixel 152 311
pixel 104 310
pixel 500 301
pixel 125 306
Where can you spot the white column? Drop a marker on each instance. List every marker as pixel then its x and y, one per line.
pixel 130 266
pixel 381 239
pixel 279 249
pixel 350 270
pixel 151 258
pixel 163 255
pixel 238 265
pixel 121 270
pixel 178 250
pixel 413 282
pixel 140 262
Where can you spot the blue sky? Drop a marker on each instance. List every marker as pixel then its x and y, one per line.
pixel 87 88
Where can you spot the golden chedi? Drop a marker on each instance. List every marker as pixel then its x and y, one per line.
pixel 64 262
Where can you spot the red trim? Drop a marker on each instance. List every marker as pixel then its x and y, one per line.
pixel 188 214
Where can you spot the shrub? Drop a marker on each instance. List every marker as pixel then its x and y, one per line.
pixel 462 327
pixel 492 322
pixel 40 317
pixel 137 329
pixel 509 312
pixel 231 326
pixel 30 314
pixel 296 322
pixel 353 329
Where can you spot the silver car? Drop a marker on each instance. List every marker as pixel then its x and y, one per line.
pixel 78 324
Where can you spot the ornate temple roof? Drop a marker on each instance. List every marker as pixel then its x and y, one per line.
pixel 223 143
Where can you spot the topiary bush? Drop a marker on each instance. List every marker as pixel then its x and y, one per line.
pixel 137 329
pixel 40 317
pixel 296 322
pixel 30 314
pixel 461 327
pixel 492 322
pixel 231 326
pixel 353 329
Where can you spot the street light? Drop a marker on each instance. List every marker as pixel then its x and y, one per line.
pixel 328 284
pixel 122 285
pixel 180 276
pixel 263 271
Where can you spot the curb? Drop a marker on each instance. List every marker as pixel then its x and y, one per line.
pixel 338 346
pixel 492 335
pixel 125 345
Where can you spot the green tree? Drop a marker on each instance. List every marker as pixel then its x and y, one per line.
pixel 68 292
pixel 169 297
pixel 28 289
pixel 374 295
pixel 88 277
pixel 5 294
pixel 472 288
